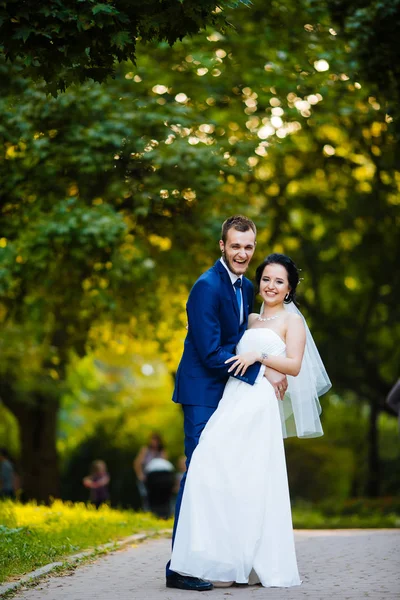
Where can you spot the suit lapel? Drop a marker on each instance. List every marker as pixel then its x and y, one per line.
pixel 229 287
pixel 247 299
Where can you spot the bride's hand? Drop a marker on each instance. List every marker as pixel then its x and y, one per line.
pixel 242 361
pixel 278 381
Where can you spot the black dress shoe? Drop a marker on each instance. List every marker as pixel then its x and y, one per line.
pixel 184 582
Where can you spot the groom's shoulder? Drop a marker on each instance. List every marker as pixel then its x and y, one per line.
pixel 212 274
pixel 248 283
pixel 209 278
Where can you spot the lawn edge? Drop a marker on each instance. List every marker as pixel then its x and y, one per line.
pixel 68 561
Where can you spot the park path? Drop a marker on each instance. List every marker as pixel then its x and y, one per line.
pixel 334 564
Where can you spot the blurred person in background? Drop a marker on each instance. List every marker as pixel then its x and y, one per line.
pixel 154 449
pixel 160 485
pixel 393 399
pixel 7 475
pixel 97 481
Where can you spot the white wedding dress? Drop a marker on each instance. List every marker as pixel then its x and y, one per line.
pixel 235 520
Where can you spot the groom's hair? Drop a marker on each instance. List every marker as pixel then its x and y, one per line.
pixel 238 222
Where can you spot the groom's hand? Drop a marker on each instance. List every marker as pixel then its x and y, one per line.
pixel 277 380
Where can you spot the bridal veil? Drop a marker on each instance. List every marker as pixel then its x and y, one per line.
pixel 300 407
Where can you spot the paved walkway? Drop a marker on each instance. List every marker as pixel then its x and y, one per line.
pixel 343 565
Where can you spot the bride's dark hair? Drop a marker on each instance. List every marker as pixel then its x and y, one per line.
pixel 291 269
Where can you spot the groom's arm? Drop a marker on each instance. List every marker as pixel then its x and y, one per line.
pixel 205 332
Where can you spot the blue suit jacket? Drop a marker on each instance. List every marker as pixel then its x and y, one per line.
pixel 213 333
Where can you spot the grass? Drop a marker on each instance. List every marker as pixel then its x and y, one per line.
pixel 352 513
pixel 317 519
pixel 32 536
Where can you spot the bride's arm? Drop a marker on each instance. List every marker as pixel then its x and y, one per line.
pixel 295 344
pixel 289 364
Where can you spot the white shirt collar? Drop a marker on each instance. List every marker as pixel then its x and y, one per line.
pixel 232 276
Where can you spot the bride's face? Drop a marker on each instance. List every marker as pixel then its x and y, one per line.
pixel 274 285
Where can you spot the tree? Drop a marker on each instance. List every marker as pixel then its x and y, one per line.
pixel 82 212
pixel 371 29
pixel 111 205
pixel 69 42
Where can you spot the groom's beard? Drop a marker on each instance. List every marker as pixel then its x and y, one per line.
pixel 235 269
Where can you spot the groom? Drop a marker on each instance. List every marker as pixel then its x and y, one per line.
pixel 218 307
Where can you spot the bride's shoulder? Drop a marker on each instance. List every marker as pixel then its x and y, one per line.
pixel 252 318
pixel 293 320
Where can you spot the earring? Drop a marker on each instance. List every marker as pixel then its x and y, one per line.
pixel 287 296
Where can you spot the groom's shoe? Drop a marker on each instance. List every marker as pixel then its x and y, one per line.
pixel 183 582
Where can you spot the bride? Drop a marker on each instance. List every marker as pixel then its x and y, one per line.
pixel 235 521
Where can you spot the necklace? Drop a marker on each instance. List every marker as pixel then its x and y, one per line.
pixel 260 318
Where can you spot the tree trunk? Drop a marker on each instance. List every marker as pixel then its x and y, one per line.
pixel 37 420
pixel 373 476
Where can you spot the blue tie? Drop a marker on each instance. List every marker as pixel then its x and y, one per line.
pixel 237 285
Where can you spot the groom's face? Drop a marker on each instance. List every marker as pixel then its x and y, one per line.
pixel 238 250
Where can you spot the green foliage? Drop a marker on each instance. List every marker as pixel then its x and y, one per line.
pixel 66 43
pixel 32 536
pixel 363 507
pixel 9 437
pixel 313 470
pixel 351 513
pixel 78 241
pixel 306 517
pixel 371 29
pixel 109 413
pixel 123 487
pixel 125 404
